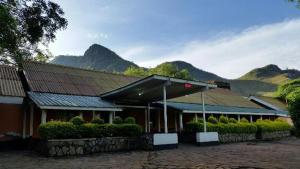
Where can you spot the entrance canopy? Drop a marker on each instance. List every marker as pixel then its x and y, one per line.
pixel 150 89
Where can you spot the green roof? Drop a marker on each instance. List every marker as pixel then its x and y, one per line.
pixel 190 108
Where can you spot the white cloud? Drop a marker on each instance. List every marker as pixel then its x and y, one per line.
pixel 231 56
pixel 97 36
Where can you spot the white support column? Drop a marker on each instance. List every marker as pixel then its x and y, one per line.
pixel 44 117
pixel 24 125
pixel 81 114
pixel 114 115
pixel 158 120
pixel 110 117
pixel 239 118
pixel 203 111
pixel 180 121
pixel 165 110
pixel 31 120
pixel 196 116
pixel 261 117
pixel 251 120
pixel 148 117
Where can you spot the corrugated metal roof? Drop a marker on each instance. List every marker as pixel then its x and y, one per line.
pixel 10 83
pixel 274 101
pixel 51 78
pixel 218 96
pixel 222 109
pixel 71 102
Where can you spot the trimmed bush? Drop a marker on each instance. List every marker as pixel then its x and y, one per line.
pixel 58 130
pixel 128 130
pixel 129 120
pixel 67 130
pixel 212 119
pixel 118 120
pixel 265 126
pixel 223 119
pixel 232 120
pixel 244 120
pixel 222 128
pixel 77 120
pixel 97 121
pixel 199 120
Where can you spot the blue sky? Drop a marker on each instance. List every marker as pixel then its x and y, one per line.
pixel 226 37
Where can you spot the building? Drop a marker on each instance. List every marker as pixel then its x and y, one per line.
pixel 159 104
pixel 11 104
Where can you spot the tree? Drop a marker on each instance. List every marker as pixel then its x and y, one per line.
pixel 290 92
pixel 297 2
pixel 136 71
pixel 26 24
pixel 165 69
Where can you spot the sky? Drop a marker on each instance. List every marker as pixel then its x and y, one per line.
pixel 225 37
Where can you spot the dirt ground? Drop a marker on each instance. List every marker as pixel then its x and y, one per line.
pixel 276 154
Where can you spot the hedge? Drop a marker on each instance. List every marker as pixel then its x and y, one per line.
pixel 67 130
pixel 265 126
pixel 222 128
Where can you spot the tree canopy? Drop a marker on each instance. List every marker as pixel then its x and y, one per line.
pixel 24 26
pixel 290 92
pixel 165 69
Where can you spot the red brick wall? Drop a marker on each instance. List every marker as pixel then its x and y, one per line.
pixel 11 118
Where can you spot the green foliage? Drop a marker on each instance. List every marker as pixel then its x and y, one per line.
pixel 199 120
pixel 97 121
pixel 58 130
pixel 232 120
pixel 222 128
pixel 223 119
pixel 291 92
pixel 136 71
pixel 212 119
pixel 129 120
pixel 67 130
pixel 129 130
pixel 264 126
pixel 77 120
pixel 26 24
pixel 165 69
pixel 244 120
pixel 287 88
pixel 118 120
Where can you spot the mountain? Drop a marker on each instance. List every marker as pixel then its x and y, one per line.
pixel 272 74
pixel 96 57
pixel 259 81
pixel 195 72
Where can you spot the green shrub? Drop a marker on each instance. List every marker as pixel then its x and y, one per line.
pixel 223 119
pixel 194 127
pixel 118 120
pixel 98 121
pixel 129 120
pixel 244 120
pixel 199 120
pixel 212 119
pixel 222 128
pixel 265 126
pixel 232 120
pixel 77 120
pixel 128 130
pixel 58 130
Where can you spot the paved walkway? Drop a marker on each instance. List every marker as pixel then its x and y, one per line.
pixel 278 154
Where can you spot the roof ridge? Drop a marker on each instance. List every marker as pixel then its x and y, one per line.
pixel 84 69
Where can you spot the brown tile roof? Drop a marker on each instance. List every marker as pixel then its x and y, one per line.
pixel 281 105
pixel 218 96
pixel 10 83
pixel 51 78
